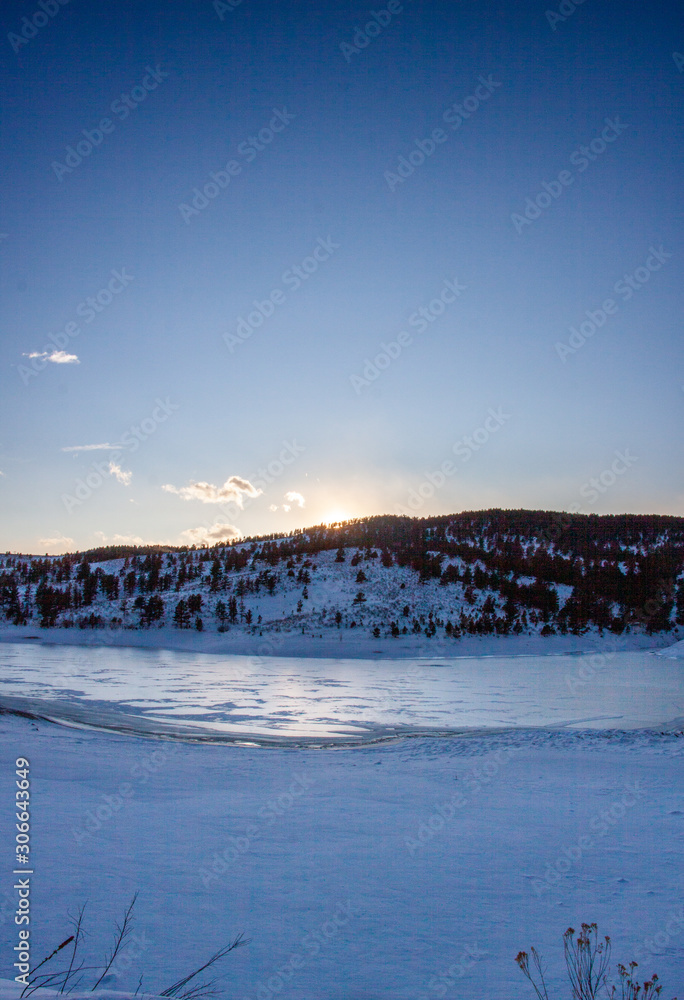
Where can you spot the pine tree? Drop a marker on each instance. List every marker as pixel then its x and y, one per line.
pixel 181 616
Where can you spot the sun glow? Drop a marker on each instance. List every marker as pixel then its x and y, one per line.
pixel 337 514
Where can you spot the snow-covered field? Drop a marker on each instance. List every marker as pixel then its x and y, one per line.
pixel 414 868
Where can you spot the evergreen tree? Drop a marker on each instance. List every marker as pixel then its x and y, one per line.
pixel 181 616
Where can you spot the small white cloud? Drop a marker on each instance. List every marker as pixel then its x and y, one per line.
pixel 208 536
pixel 62 358
pixel 121 475
pixel 293 498
pixel 92 447
pixel 56 357
pixel 233 490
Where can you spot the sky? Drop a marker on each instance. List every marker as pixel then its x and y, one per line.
pixel 266 265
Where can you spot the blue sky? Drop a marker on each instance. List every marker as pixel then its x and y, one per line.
pixel 259 331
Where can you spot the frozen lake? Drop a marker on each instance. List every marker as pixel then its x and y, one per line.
pixel 225 697
pixel 380 869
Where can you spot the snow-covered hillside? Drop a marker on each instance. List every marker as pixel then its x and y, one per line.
pixel 383 576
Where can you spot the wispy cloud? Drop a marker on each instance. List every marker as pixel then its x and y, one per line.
pixel 122 476
pixel 233 490
pixel 58 542
pixel 208 536
pixel 92 447
pixel 118 539
pixel 57 357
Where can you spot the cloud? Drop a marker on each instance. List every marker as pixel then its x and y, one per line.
pixel 208 536
pixel 293 498
pixel 232 491
pixel 119 539
pixel 57 357
pixel 122 476
pixel 92 447
pixel 58 542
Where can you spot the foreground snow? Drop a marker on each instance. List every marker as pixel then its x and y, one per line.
pixel 408 871
pixel 9 990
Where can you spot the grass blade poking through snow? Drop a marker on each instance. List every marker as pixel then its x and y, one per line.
pixel 174 991
pixel 122 933
pixel 60 979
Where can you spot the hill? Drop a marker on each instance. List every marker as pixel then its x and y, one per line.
pixel 474 573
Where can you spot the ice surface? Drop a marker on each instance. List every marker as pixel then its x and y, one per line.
pixel 297 698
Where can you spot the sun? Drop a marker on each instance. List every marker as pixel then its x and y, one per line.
pixel 336 514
